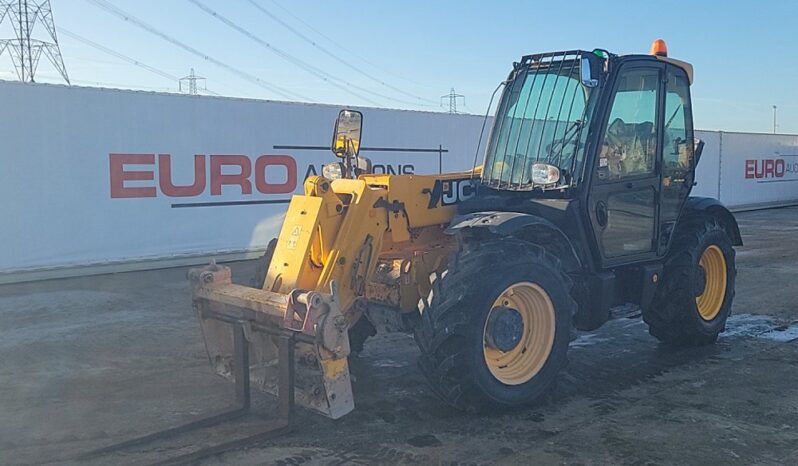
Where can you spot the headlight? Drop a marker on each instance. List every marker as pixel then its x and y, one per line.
pixel 333 171
pixel 545 174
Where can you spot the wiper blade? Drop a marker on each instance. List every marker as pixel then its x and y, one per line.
pixel 573 129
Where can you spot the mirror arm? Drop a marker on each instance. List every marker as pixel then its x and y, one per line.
pixel 349 153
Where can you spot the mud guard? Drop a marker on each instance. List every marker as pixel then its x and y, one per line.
pixel 712 206
pixel 512 223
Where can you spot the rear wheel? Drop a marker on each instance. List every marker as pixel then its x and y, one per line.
pixel 695 297
pixel 494 330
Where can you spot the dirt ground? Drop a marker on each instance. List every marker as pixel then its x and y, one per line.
pixel 87 362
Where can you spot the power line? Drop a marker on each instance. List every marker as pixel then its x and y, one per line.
pixel 111 85
pixel 333 55
pixel 105 84
pixel 152 30
pixel 126 58
pixel 116 54
pixel 25 52
pixel 341 47
pixel 326 77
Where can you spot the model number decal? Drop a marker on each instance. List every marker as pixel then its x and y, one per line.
pixel 450 192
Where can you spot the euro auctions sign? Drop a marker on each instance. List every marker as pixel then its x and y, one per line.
pixel 772 169
pixel 153 175
pixel 268 174
pixel 134 177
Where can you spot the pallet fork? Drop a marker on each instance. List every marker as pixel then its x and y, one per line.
pixel 303 325
pixel 282 424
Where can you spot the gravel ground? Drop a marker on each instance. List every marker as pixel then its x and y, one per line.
pixel 90 361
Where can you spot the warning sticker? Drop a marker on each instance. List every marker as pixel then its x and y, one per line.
pixel 293 239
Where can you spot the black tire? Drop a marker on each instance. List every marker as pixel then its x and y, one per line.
pixel 453 319
pixel 358 333
pixel 674 316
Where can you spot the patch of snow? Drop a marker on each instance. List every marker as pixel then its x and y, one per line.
pixel 760 326
pixel 587 339
pixel 782 334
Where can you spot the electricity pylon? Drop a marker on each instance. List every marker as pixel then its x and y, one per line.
pixel 25 51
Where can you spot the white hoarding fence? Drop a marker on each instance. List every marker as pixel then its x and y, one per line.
pixel 96 179
pixel 95 176
pixel 758 169
pixel 707 175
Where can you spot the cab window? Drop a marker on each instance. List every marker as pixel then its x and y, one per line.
pixel 678 150
pixel 629 146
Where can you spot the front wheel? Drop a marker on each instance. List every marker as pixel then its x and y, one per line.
pixel 695 297
pixel 494 330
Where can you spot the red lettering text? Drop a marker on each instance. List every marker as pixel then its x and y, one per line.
pixel 769 168
pixel 165 177
pixel 239 179
pixel 274 174
pixel 780 168
pixel 765 168
pixel 119 175
pixel 750 167
pixel 266 187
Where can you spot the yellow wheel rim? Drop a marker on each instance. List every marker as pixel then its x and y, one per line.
pixel 519 364
pixel 710 301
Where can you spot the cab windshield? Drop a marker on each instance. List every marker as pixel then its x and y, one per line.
pixel 541 118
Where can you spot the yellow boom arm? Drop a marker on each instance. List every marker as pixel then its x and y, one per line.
pixel 343 245
pixel 336 231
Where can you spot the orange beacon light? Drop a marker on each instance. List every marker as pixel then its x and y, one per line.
pixel 659 48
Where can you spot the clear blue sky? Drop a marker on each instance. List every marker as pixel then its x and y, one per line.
pixel 743 51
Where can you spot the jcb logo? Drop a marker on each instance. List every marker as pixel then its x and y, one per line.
pixel 450 192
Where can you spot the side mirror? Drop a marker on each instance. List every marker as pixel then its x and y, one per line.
pixel 346 138
pixel 589 70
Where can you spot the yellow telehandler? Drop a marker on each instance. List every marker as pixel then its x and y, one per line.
pixel 582 203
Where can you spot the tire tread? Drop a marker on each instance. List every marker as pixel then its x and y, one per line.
pixel 445 321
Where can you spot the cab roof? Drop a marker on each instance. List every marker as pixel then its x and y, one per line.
pixel 687 67
pixel 571 54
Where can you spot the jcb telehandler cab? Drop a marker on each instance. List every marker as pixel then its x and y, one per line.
pixel 582 203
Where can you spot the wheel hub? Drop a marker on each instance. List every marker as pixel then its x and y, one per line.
pixel 505 328
pixel 518 335
pixel 712 275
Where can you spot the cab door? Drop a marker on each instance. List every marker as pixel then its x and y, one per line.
pixel 678 153
pixel 623 201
